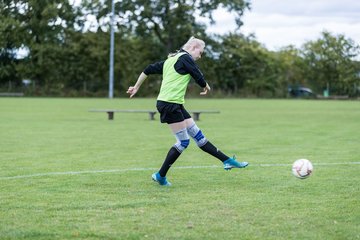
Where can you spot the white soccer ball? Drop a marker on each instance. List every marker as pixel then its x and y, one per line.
pixel 302 168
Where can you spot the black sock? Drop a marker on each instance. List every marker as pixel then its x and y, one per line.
pixel 171 157
pixel 211 149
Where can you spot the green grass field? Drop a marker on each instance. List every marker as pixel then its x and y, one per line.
pixel 66 173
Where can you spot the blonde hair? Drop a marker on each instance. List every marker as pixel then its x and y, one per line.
pixel 193 41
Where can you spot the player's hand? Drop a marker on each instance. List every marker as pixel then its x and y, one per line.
pixel 132 91
pixel 205 90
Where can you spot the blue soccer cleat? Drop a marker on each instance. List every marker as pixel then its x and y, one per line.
pixel 232 163
pixel 161 180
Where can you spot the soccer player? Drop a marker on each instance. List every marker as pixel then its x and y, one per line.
pixel 177 71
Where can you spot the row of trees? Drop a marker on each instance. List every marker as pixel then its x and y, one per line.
pixel 68 56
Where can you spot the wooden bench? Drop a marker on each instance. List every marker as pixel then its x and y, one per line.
pixel 196 113
pixel 111 112
pixel 11 94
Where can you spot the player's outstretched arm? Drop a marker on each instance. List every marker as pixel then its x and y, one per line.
pixel 132 90
pixel 205 90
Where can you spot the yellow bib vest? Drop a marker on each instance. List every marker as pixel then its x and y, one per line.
pixel 174 85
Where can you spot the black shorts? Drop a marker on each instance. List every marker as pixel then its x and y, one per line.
pixel 171 112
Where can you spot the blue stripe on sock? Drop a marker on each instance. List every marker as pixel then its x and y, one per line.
pixel 199 136
pixel 185 143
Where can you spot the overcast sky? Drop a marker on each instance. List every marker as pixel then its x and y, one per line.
pixel 277 23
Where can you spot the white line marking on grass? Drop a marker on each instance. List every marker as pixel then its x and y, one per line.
pixel 154 169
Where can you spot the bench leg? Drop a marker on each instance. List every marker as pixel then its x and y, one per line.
pixel 151 115
pixel 110 115
pixel 196 116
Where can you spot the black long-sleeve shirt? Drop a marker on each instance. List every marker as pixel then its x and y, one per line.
pixel 184 65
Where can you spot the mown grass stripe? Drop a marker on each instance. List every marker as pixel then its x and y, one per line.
pixel 154 169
